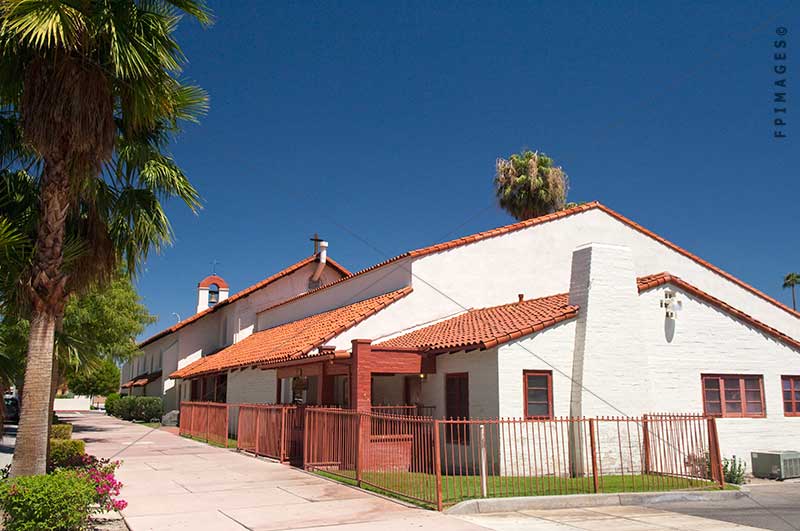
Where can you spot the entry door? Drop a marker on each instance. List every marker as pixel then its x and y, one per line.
pixel 457 395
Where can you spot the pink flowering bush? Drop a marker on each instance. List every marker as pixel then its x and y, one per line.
pixel 101 473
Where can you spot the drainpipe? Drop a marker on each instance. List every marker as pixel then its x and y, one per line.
pixel 321 260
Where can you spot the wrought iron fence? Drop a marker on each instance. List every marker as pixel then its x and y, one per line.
pixel 441 462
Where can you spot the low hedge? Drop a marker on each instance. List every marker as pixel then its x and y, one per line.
pixel 61 431
pixel 66 453
pixel 143 408
pixel 61 501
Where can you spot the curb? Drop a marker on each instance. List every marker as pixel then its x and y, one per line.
pixel 574 501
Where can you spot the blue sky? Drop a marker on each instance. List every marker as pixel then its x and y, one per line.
pixel 380 122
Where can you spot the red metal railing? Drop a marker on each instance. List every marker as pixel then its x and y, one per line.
pixel 405 410
pixel 441 462
pixel 207 421
pixel 272 430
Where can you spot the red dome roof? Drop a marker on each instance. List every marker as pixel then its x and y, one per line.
pixel 213 279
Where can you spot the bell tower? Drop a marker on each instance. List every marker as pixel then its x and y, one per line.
pixel 210 291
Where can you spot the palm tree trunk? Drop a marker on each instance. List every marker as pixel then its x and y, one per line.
pixel 48 297
pixel 30 451
pixel 794 299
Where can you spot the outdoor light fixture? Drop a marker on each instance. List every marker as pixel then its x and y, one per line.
pixel 421 376
pixel 671 304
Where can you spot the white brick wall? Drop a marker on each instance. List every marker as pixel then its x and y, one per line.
pixel 706 340
pixel 252 386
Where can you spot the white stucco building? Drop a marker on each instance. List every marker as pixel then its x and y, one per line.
pixel 578 313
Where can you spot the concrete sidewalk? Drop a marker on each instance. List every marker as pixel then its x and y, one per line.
pixel 174 483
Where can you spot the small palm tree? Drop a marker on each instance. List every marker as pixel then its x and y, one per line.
pixel 528 185
pixel 792 280
pixel 84 79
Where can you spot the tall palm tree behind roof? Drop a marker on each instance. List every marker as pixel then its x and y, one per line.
pixel 528 185
pixel 791 281
pixel 85 79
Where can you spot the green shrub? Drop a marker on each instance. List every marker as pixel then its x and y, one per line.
pixel 61 501
pixel 61 431
pixel 147 408
pixel 124 407
pixel 111 402
pixel 66 453
pixel 733 470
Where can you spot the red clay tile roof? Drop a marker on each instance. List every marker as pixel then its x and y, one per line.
pixel 659 279
pixel 486 327
pixel 212 279
pixel 142 380
pixel 242 294
pixel 290 341
pixel 545 219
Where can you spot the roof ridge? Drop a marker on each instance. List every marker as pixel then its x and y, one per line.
pixel 284 345
pixel 244 292
pixel 584 207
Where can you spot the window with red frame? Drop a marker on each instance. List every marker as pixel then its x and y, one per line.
pixel 791 395
pixel 727 395
pixel 538 394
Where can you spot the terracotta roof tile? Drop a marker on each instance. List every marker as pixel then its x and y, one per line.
pixel 486 327
pixel 659 279
pixel 213 279
pixel 545 219
pixel 290 341
pixel 242 294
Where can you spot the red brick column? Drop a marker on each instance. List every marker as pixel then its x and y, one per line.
pixel 361 375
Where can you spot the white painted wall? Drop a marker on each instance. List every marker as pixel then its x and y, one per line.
pixel 709 341
pixel 213 331
pixel 252 386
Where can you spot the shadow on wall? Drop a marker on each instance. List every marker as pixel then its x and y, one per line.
pixel 669 329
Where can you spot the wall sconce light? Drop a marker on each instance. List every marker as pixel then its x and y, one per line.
pixel 671 304
pixel 422 376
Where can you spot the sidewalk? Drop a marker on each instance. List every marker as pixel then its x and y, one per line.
pixel 173 483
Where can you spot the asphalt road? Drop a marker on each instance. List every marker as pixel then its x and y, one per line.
pixel 774 505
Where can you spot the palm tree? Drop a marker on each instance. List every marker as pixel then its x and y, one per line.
pixel 791 281
pixel 87 80
pixel 528 185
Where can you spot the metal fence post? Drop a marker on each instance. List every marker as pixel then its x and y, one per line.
pixel 359 436
pixel 208 419
pixel 227 423
pixel 283 436
pixel 484 480
pixel 437 464
pixel 593 445
pixel 306 436
pixel 714 454
pixel 646 444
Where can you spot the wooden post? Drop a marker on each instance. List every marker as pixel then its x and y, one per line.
pixel 593 445
pixel 437 464
pixel 227 422
pixel 646 444
pixel 208 418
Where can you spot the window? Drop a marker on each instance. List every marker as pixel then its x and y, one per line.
pixel 727 395
pixel 456 390
pixel 538 394
pixel 221 389
pixel 208 388
pixel 791 395
pixel 196 391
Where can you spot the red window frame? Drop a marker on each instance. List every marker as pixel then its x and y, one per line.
pixel 730 396
pixel 791 404
pixel 526 387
